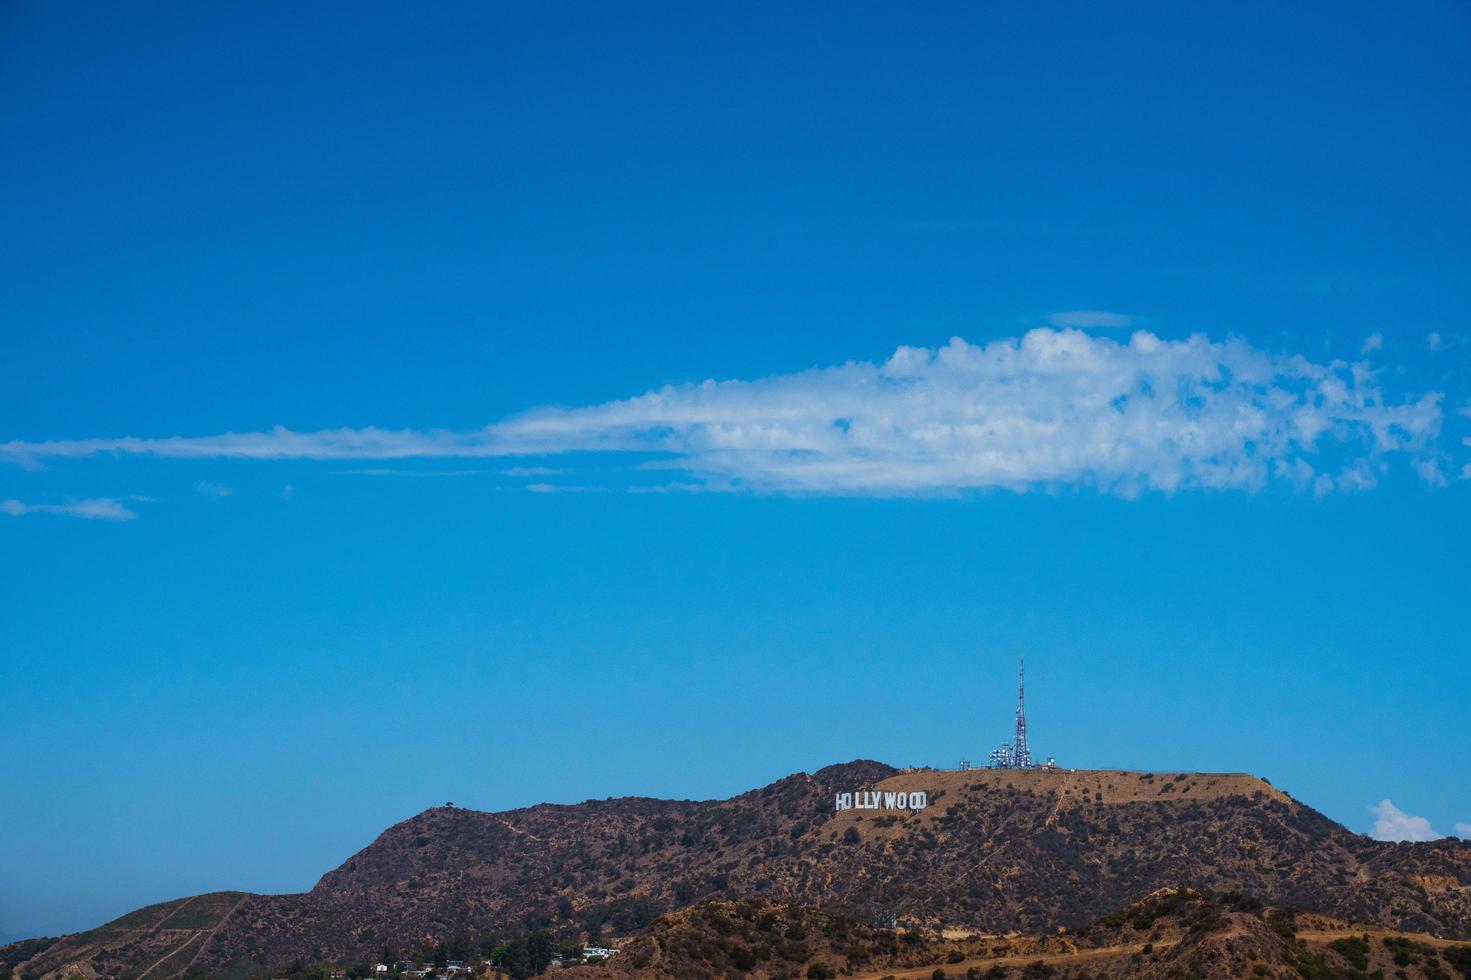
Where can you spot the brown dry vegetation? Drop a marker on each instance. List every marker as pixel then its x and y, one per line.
pixel 1172 933
pixel 995 852
pixel 154 942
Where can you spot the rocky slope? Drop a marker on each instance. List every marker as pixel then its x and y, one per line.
pixel 1170 933
pixel 994 851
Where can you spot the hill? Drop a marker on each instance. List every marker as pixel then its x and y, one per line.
pixel 1174 932
pixel 157 941
pixel 994 852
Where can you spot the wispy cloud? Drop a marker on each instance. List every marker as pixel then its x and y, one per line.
pixel 1054 408
pixel 1392 823
pixel 1090 320
pixel 96 508
pixel 1463 830
pixel 387 471
pixel 529 471
pixel 563 488
pixel 277 443
pixel 213 489
pixel 1373 342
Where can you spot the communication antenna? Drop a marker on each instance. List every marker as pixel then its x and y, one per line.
pixel 1016 754
pixel 1020 754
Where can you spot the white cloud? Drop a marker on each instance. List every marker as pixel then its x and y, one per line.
pixel 524 471
pixel 1392 823
pixel 1090 320
pixel 1430 472
pixel 277 443
pixel 1358 475
pixel 411 473
pixel 1433 341
pixel 1052 408
pixel 213 489
pixel 1463 830
pixel 1373 342
pixel 563 488
pixel 98 508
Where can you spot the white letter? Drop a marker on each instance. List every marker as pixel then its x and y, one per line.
pixel 919 800
pixel 901 800
pixel 888 801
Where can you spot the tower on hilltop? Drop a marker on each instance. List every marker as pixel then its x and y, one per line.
pixel 1021 755
pixel 1016 754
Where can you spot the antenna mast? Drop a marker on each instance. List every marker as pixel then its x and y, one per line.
pixel 1021 755
pixel 1016 754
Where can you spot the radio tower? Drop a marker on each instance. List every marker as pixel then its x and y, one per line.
pixel 1021 756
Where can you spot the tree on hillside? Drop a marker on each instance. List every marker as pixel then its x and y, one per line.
pixel 516 959
pixel 462 947
pixel 540 948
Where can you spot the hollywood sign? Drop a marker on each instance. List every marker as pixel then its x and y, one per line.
pixel 875 800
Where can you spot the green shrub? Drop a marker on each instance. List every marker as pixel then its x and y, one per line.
pixel 1460 958
pixel 1355 949
pixel 742 958
pixel 1283 928
pixel 1403 951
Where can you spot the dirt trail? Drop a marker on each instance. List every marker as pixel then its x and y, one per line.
pixel 1083 956
pixel 1068 781
pixel 518 830
pixel 1328 935
pixel 223 919
pixel 187 940
pixel 192 934
pixel 1129 949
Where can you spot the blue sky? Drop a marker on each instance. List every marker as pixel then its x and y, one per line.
pixel 356 452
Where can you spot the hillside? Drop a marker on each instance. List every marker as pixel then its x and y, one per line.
pixel 1170 933
pixel 156 941
pixel 993 852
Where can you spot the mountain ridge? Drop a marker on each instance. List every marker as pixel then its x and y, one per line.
pixel 994 850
